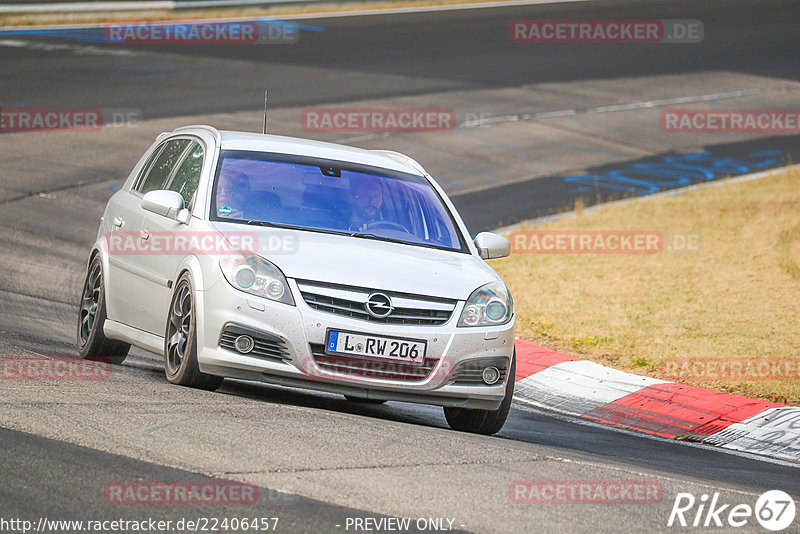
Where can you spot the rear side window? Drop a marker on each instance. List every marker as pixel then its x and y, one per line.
pixel 146 166
pixel 162 167
pixel 188 174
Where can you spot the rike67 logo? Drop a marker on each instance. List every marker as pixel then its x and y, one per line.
pixel 774 510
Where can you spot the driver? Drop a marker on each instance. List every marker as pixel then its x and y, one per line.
pixel 232 192
pixel 367 199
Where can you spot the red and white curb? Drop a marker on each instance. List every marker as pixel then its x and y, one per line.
pixel 562 383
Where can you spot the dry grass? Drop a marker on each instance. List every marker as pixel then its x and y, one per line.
pixel 739 297
pixel 33 19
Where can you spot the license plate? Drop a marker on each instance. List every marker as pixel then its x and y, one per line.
pixel 355 344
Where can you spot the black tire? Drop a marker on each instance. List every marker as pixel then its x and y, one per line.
pixel 180 341
pixel 484 421
pixel 359 400
pixel 92 342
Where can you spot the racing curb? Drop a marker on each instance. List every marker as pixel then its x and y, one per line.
pixel 581 388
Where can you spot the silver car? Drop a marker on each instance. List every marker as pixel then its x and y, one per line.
pixel 304 264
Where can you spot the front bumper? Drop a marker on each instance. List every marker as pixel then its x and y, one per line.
pixel 302 331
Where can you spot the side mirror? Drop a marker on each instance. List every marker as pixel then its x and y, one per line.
pixel 167 204
pixel 492 246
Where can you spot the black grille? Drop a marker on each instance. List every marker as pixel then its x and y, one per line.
pixel 469 371
pixel 266 345
pixel 356 309
pixel 371 368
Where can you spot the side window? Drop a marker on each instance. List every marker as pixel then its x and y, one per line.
pixel 146 166
pixel 157 175
pixel 188 174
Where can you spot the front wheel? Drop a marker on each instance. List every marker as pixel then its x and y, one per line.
pixel 484 421
pixel 92 341
pixel 180 342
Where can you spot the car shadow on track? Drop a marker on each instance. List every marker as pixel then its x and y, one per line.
pixel 417 414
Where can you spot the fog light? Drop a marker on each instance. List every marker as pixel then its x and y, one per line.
pixel 245 344
pixel 491 375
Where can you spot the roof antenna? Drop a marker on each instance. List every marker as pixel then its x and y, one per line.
pixel 264 129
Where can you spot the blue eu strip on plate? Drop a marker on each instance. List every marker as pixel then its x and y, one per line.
pixel 332 338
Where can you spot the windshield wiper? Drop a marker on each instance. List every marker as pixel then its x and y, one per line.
pixel 365 235
pixel 254 222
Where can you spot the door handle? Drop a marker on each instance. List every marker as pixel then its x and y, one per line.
pixel 118 222
pixel 144 235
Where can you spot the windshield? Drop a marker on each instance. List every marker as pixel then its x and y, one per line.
pixel 321 195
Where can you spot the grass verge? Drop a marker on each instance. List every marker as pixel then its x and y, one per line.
pixel 277 11
pixel 687 317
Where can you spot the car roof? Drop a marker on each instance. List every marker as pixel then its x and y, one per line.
pixel 233 140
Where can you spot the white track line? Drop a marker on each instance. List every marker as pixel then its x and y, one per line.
pixel 164 22
pixel 425 9
pixel 622 107
pixel 599 109
pixel 79 50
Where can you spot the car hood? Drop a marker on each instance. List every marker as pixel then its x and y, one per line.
pixel 366 263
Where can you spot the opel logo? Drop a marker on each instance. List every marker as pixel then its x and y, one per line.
pixel 379 305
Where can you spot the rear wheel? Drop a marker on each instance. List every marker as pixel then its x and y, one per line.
pixel 92 342
pixel 484 421
pixel 180 342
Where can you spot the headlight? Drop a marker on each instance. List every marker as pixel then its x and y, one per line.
pixel 489 305
pixel 255 275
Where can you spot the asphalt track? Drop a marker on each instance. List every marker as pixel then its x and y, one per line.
pixel 447 51
pixel 343 460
